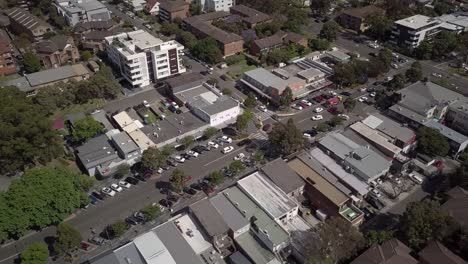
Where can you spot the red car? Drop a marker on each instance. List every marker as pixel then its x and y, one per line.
pixel 332 109
pixel 188 178
pixel 303 105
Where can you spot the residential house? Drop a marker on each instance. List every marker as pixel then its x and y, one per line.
pixel 57 51
pixel 7 57
pixel 250 16
pixel 75 11
pixel 457 141
pixel 91 35
pixel 284 177
pixel 172 9
pixel 435 253
pixel 23 22
pixel 152 7
pixel 142 58
pixel 457 205
pixel 355 18
pixel 215 5
pixel 391 251
pixel 30 83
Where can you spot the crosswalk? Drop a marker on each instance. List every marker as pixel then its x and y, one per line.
pixel 262 116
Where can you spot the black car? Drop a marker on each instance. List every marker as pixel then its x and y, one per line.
pixel 376 203
pixel 198 149
pixel 367 212
pixel 165 203
pixel 190 191
pixel 186 156
pixel 140 177
pixel 131 220
pixel 196 186
pixel 165 167
pixel 98 196
pixel 244 142
pixel 139 216
pixel 93 200
pixel 346 93
pixel 132 180
pixel 173 198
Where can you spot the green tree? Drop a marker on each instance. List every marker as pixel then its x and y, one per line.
pixel 36 253
pixel 127 24
pixel 28 138
pixel 237 166
pixel 68 239
pixel 441 8
pixel 460 176
pixel 414 73
pixel 122 171
pixel 118 228
pixel 151 212
pixel 187 39
pixel 444 43
pixel 424 221
pixel 286 97
pixel 320 7
pixel 227 91
pixel 398 82
pixel 337 240
pixel 152 159
pixel 243 120
pixel 167 150
pixel 319 44
pixel 195 9
pixel 329 30
pixel 377 237
pixel 424 50
pixel 169 29
pixel 345 74
pixel 286 137
pixel 379 25
pixel 323 127
pixel 31 62
pixel 258 157
pixel 431 142
pixel 187 141
pixel 349 104
pixel 208 50
pixel 86 55
pixel 85 182
pixel 210 132
pixel 216 177
pixel 86 128
pixel 178 179
pixel 213 81
pixel 250 101
pixel 336 121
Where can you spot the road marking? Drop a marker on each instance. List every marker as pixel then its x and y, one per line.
pixel 224 156
pixel 12 256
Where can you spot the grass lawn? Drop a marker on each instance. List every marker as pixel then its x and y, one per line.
pixel 239 68
pixel 460 72
pixel 9 77
pixel 93 104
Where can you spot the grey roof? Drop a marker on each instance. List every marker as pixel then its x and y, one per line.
pixel 26 19
pixel 250 15
pixel 201 24
pixel 282 175
pixel 128 252
pixel 72 118
pixel 83 5
pixel 268 79
pixel 389 127
pixel 446 131
pixel 21 83
pixel 341 56
pixel 238 258
pixel 254 250
pixel 55 43
pixel 193 79
pixel 94 25
pixel 230 214
pixel 96 151
pixel 392 251
pixel 222 104
pixel 173 5
pixel 209 218
pixel 435 253
pixel 124 142
pixel 408 113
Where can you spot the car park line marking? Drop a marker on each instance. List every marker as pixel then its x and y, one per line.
pixel 224 156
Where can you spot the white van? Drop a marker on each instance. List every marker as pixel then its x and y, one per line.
pixel 417 179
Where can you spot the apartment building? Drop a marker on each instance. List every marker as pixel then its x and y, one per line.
pixel 410 32
pixel 23 22
pixel 7 59
pixel 75 11
pixel 170 10
pixel 142 58
pixel 354 18
pixel 216 5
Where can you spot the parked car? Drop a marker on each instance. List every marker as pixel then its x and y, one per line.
pixel 116 187
pixel 93 200
pixel 132 180
pixel 99 196
pixel 317 117
pixel 244 142
pixel 239 156
pixel 97 240
pixel 415 178
pixel 124 184
pixel 190 191
pixel 193 153
pixel 262 108
pixel 362 99
pixel 131 220
pixel 108 191
pixel 141 177
pixel 346 93
pixel 179 159
pixel 165 203
pixel 226 139
pixel 171 163
pixel 212 144
pixel 343 116
pixel 372 94
pixel 306 102
pixel 376 193
pixel 306 135
pixel 145 103
pixel 199 149
pixel 376 203
pixel 228 149
pixel 267 128
pixel 318 110
pixel 296 106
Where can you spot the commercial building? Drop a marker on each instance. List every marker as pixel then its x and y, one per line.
pixel 172 9
pixel 7 57
pixel 216 5
pixel 435 253
pixel 23 22
pixel 411 31
pixel 250 16
pixel 234 219
pixel 284 177
pixel 458 19
pixel 75 11
pixel 57 51
pixel 30 83
pixel 142 58
pixel 391 251
pixel 457 205
pixel 91 35
pixel 355 18
pixel 201 26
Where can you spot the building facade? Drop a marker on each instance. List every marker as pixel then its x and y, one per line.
pixel 57 51
pixel 216 5
pixel 142 59
pixel 75 11
pixel 170 10
pixel 354 18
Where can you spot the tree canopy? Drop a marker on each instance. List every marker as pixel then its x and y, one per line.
pixel 36 253
pixel 152 158
pixel 86 128
pixel 31 62
pixel 286 137
pixel 431 142
pixel 207 50
pixel 178 179
pixel 319 44
pixel 286 97
pixel 151 212
pixel 243 120
pixel 250 101
pixel 68 239
pixel 329 30
pixel 414 73
pixel 349 104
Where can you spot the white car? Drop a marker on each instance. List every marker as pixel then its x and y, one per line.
pixel 373 94
pixel 263 108
pixel 228 149
pixel 375 193
pixel 379 181
pixel 394 65
pixel 363 99
pixel 148 26
pixel 145 103
pixel 160 170
pixel 438 75
pixel 317 117
pixel 297 107
pixel 124 184
pixel 373 45
pixel 343 116
pixel 415 178
pixel 108 191
pixel 226 139
pixel 179 159
pixel 193 153
pixel 333 93
pixel 306 135
pixel 116 187
pixel 211 144
pixel 239 156
pixel 306 102
pixel 318 110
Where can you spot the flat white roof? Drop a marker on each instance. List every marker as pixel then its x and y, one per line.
pixel 141 139
pixel 374 136
pixel 152 249
pixel 123 119
pixel 192 234
pixel 417 21
pixel 267 195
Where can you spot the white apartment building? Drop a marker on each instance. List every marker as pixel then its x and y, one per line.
pixel 75 11
pixel 216 5
pixel 142 58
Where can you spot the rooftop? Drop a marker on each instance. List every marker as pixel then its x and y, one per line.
pixel 417 21
pixel 54 44
pixel 173 5
pixel 460 20
pixel 141 140
pixel 134 42
pixel 363 12
pixel 268 79
pixel 389 127
pixel 250 15
pixel 338 55
pixel 267 195
pixel 282 175
pixel 435 253
pixel 209 218
pixel 26 19
pixel 206 28
pixel 80 5
pixel 447 132
pixel 124 142
pixel 270 41
pixel 96 151
pixel 392 251
pixel 230 214
pixel 94 25
pixel 254 249
pixel 191 232
pixel 457 205
pixel 184 81
pixel 373 136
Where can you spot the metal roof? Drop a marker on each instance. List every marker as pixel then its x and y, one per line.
pixel 446 131
pixel 282 175
pixel 96 151
pixel 389 127
pixel 124 142
pixel 56 74
pixel 230 214
pixel 254 250
pixel 209 218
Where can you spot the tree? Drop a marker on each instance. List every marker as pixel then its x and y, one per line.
pixel 28 138
pixel 213 81
pixel 195 9
pixel 178 179
pixel 444 43
pixel 210 132
pixel 349 104
pixel 323 127
pixel 187 39
pixel 68 239
pixel 379 25
pixel 336 121
pixel 118 228
pixel 345 74
pixel 329 30
pixel 36 253
pixel 127 24
pixel 377 237
pixel 167 150
pixel 227 91
pixel 122 171
pixel 286 97
pixel 41 197
pixel 151 212
pixel 258 157
pixel 424 221
pixel 337 240
pixel 320 7
pixel 286 137
pixel 169 29
pixel 216 177
pixel 86 128
pixel 250 101
pixel 441 8
pixel 319 44
pixel 460 176
pixel 187 141
pixel 85 182
pixel 31 62
pixel 237 166
pixel 152 159
pixel 414 73
pixel 243 120
pixel 398 82
pixel 86 55
pixel 424 50
pixel 431 142
pixel 207 50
